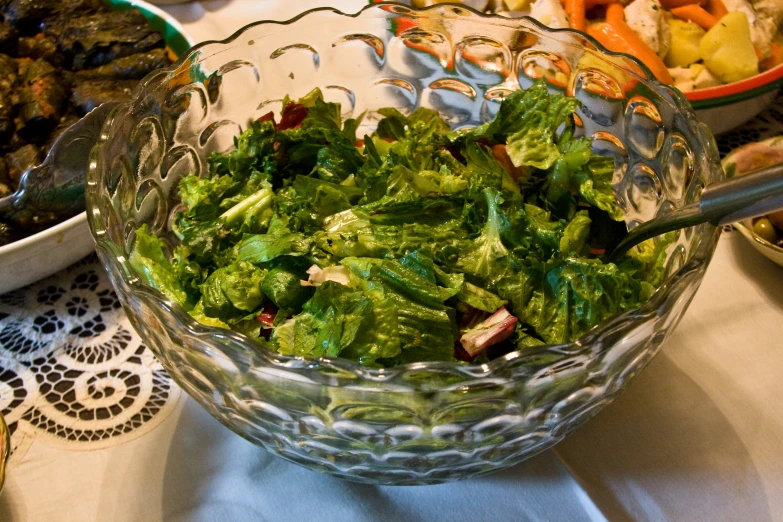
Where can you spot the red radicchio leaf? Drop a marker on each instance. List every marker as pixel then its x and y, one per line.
pixel 267 315
pixel 498 327
pixel 269 116
pixel 292 117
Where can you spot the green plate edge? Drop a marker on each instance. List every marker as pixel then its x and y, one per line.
pixel 175 40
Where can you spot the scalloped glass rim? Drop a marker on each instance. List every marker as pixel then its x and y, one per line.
pixel 666 294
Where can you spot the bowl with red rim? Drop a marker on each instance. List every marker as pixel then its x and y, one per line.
pixel 725 107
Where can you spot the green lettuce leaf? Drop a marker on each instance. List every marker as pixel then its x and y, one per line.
pixel 283 286
pixel 480 298
pixel 575 234
pixel 485 255
pixel 262 248
pixel 330 321
pixel 232 292
pixel 152 265
pixel 563 299
pixel 527 121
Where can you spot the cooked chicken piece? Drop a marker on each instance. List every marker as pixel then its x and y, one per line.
pixel 694 77
pixel 549 12
pixel 646 19
pixel 769 17
pixel 770 8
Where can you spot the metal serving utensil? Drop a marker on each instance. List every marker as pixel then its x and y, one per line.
pixel 54 190
pixel 750 195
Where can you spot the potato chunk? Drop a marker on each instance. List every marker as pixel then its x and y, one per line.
pixel 727 49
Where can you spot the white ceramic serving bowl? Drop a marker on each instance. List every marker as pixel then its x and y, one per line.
pixel 35 257
pixel 726 107
pixel 762 159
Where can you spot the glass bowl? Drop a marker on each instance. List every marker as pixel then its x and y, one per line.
pixel 418 423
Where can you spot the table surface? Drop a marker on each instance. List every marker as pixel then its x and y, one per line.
pixel 697 436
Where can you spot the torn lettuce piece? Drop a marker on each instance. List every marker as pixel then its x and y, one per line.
pixel 652 255
pixel 484 171
pixel 425 333
pixel 340 159
pixel 578 172
pixel 253 153
pixel 200 315
pixel 480 298
pixel 152 265
pixel 421 264
pixel 262 248
pixel 231 292
pixel 378 336
pixel 527 122
pixel 422 123
pixel 283 286
pixel 564 298
pixel 575 234
pixel 410 284
pixel 329 321
pixel 484 256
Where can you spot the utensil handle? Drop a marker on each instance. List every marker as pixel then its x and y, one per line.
pixel 753 194
pixel 54 190
pixel 684 217
pixel 765 206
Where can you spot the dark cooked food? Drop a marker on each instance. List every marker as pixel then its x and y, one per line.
pixel 26 15
pixel 9 233
pixel 40 46
pixel 7 126
pixel 8 38
pixel 59 60
pixel 98 39
pixel 132 67
pixel 22 159
pixel 9 70
pixel 5 181
pixel 89 94
pixel 41 101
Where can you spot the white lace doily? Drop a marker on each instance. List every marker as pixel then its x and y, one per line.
pixel 766 125
pixel 73 372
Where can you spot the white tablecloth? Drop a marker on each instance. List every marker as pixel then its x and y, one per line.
pixel 697 436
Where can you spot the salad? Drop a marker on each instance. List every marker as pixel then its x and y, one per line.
pixel 693 44
pixel 415 243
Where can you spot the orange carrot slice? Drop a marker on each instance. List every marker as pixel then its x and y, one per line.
pixel 717 8
pixel 671 4
pixel 575 9
pixel 695 14
pixel 619 37
pixel 615 14
pixel 775 58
